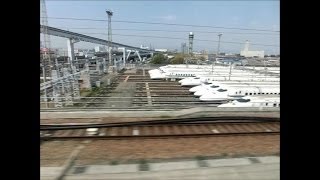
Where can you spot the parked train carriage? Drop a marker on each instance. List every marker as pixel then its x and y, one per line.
pixel 199 80
pixel 254 102
pixel 238 92
pixel 224 87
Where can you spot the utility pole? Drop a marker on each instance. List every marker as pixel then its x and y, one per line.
pixel 212 67
pixel 46 39
pixel 230 70
pixel 46 59
pixel 218 51
pixel 110 13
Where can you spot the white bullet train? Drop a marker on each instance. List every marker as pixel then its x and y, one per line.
pixel 177 74
pixel 216 87
pixel 183 71
pixel 178 70
pixel 195 81
pixel 222 94
pixel 213 84
pixel 254 102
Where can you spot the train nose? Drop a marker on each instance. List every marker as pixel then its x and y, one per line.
pixel 213 97
pixel 224 105
pixel 201 92
pixel 195 89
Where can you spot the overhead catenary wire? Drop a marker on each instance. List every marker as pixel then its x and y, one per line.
pixel 157 30
pixel 169 24
pixel 165 37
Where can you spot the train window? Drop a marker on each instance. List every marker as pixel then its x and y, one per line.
pixel 236 92
pixel 250 93
pixel 254 93
pixel 267 93
pixel 243 100
pixel 274 105
pixel 258 93
pixel 266 104
pixel 214 86
pixel 221 90
pixel 279 104
pixel 246 93
pixel 239 92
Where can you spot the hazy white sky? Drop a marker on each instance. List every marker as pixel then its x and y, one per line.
pixel 263 15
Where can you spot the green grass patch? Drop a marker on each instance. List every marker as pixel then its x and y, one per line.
pixel 143 165
pixel 200 158
pixel 164 116
pixel 114 162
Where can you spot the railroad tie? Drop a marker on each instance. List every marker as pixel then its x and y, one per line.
pixel 126 79
pixel 148 94
pixel 69 162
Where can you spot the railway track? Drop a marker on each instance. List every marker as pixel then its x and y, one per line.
pixel 172 128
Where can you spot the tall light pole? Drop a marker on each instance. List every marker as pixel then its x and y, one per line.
pixel 110 13
pixel 191 36
pixel 218 51
pixel 220 34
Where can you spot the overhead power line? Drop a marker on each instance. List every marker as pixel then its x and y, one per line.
pixel 157 30
pixel 170 24
pixel 165 37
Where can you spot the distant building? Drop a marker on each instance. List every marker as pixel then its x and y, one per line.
pixel 46 50
pixel 81 53
pixel 201 56
pixel 161 50
pixel 144 47
pixel 247 53
pixel 184 49
pixel 211 57
pixel 99 49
